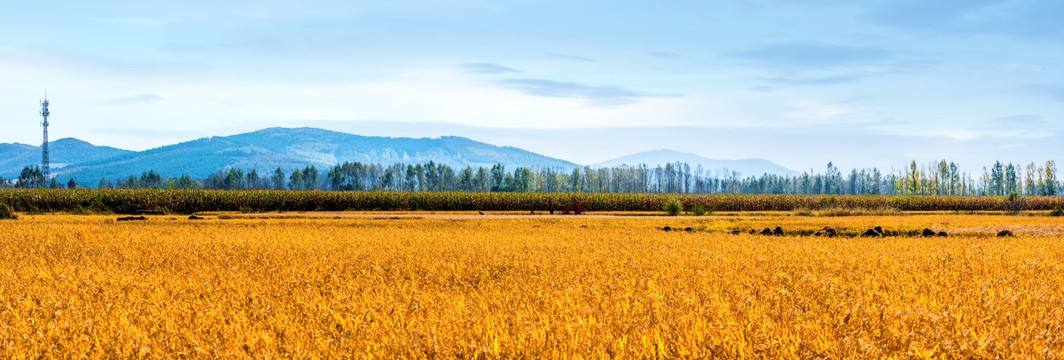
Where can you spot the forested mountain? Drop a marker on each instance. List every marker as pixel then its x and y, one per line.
pixel 745 167
pixel 63 152
pixel 291 148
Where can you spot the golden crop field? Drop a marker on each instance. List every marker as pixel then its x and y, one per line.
pixel 383 286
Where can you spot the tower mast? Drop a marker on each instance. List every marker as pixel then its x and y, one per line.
pixel 44 146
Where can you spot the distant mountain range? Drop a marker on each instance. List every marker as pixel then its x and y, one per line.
pixel 290 148
pixel 746 167
pixel 62 152
pixel 268 149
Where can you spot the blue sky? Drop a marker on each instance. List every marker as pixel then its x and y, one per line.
pixel 801 82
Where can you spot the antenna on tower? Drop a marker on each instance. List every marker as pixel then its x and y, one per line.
pixel 44 145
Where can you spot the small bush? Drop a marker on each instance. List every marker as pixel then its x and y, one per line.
pixel 1014 203
pixel 1057 212
pixel 883 211
pixel 81 210
pixel 837 212
pixel 841 211
pixel 699 211
pixel 6 212
pixel 673 207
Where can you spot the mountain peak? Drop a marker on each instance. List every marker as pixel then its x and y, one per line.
pixel 65 151
pixel 289 148
pixel 297 147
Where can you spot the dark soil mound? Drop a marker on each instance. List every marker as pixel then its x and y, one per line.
pixel 873 232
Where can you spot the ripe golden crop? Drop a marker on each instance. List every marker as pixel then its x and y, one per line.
pixel 536 287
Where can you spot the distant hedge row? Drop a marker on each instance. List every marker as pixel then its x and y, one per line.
pixel 131 201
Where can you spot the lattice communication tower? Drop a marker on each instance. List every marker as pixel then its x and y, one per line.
pixel 44 146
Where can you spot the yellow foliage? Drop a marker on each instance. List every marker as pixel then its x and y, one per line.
pixel 529 287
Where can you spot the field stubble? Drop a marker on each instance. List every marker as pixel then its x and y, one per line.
pixel 75 286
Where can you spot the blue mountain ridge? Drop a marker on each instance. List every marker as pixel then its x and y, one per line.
pixel 62 153
pixel 745 167
pixel 291 148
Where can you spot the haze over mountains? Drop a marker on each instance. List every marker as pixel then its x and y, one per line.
pixel 63 152
pixel 746 167
pixel 290 148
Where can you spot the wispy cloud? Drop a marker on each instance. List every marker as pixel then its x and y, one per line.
pixel 139 99
pixel 799 56
pixel 571 57
pixel 817 111
pixel 1019 120
pixel 664 54
pixel 153 133
pixel 826 80
pixel 1015 127
pixel 926 14
pixel 488 68
pixel 77 62
pixel 813 64
pixel 1052 91
pixel 1030 18
pixel 598 95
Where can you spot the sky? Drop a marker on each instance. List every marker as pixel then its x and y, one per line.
pixel 797 82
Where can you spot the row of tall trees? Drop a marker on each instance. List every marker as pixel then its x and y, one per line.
pixel 934 178
pixel 33 177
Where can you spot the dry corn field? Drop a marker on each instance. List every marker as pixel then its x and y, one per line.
pixel 529 287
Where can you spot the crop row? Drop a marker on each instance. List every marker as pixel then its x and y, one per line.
pixel 189 201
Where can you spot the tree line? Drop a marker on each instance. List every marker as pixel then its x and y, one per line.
pixel 933 178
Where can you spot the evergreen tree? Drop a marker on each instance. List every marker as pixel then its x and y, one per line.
pixel 1012 184
pixel 277 179
pixel 30 177
pixel 523 180
pixel 1052 187
pixel 576 181
pixel 310 178
pixel 253 181
pixel 295 181
pixel 482 181
pixel 410 180
pixel 465 179
pixel 498 175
